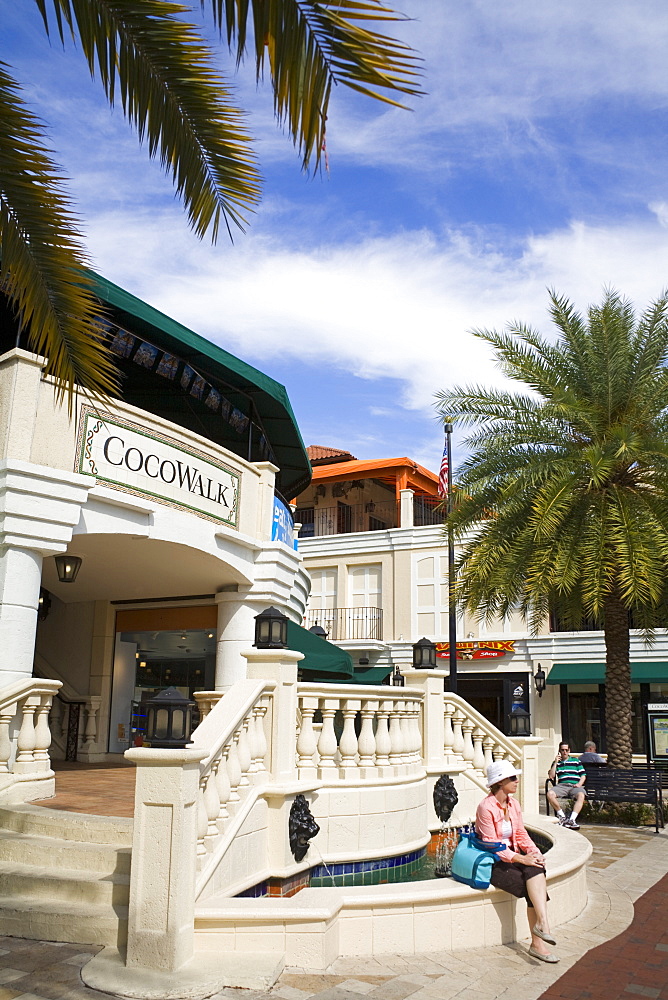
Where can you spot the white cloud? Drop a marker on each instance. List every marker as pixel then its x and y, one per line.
pixel 398 307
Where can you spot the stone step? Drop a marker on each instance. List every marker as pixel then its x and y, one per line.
pixel 42 882
pixel 79 923
pixel 81 827
pixel 27 849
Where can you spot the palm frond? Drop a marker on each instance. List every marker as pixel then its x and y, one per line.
pixel 173 96
pixel 311 46
pixel 41 258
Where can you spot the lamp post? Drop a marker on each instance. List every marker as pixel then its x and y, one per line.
pixel 520 722
pixel 452 608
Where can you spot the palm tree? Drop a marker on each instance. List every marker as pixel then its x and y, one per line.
pixel 563 498
pixel 159 67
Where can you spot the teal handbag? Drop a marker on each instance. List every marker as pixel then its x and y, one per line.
pixel 474 859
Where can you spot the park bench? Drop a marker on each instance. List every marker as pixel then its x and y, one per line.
pixel 616 784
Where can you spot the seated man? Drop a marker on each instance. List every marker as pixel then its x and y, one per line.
pixel 590 756
pixel 569 775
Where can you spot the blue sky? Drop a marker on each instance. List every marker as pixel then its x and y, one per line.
pixel 536 158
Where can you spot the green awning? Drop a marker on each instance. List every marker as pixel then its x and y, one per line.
pixel 594 673
pixel 371 675
pixel 269 397
pixel 322 659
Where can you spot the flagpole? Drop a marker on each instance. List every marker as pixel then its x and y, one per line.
pixel 452 608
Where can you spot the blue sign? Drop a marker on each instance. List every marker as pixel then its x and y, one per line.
pixel 282 528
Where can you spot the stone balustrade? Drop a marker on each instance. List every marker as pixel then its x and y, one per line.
pixel 470 738
pixel 232 733
pixel 25 736
pixel 352 732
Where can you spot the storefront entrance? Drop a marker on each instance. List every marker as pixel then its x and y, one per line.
pixel 495 696
pixel 155 649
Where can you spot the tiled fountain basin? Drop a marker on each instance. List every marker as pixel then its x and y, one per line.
pixel 318 925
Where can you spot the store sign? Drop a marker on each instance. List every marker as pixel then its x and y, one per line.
pixel 126 456
pixel 477 650
pixel 282 525
pixel 657 723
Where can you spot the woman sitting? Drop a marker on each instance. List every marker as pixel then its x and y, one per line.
pixel 520 868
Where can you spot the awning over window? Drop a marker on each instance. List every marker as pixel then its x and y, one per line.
pixel 594 673
pixel 322 659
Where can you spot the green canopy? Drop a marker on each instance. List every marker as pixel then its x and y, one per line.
pixel 594 673
pixel 322 660
pixel 243 385
pixel 371 675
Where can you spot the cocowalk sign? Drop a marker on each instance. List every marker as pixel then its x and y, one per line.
pixel 126 456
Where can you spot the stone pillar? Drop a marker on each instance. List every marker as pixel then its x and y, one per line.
pixel 432 683
pixel 161 920
pixel 279 665
pixel 406 519
pixel 531 781
pixel 39 508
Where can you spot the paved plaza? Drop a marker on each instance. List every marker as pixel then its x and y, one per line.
pixel 617 948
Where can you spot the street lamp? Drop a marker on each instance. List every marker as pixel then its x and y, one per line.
pixel 452 608
pixel 539 681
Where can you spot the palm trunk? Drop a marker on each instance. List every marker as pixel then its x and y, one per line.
pixel 617 682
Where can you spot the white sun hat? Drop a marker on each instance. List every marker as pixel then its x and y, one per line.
pixel 499 771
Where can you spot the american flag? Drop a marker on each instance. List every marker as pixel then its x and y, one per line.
pixel 443 474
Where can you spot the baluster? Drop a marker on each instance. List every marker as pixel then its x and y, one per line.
pixel 396 741
pixel 406 733
pixel 244 753
pixel 65 722
pixel 348 741
pixel 259 713
pixel 6 715
pixel 448 732
pixel 497 751
pixel 366 744
pixel 307 742
pixel 418 755
pixel 25 743
pixel 383 742
pixel 478 755
pixel 42 732
pixel 252 742
pixel 327 746
pixel 223 785
pixel 90 729
pixel 467 729
pixel 488 743
pixel 211 801
pixel 202 818
pixel 458 736
pixel 55 717
pixel 233 768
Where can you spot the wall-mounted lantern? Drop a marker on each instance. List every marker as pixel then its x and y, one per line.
pixel 169 720
pixel 424 655
pixel 68 567
pixel 271 629
pixel 539 681
pixel 44 604
pixel 520 722
pixel 397 679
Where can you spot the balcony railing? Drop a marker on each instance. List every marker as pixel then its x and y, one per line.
pixel 347 517
pixel 428 510
pixel 347 623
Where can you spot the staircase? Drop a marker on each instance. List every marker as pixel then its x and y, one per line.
pixel 64 876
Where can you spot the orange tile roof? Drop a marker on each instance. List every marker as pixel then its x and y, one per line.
pixel 389 470
pixel 318 452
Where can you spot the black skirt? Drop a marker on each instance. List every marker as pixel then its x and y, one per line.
pixel 512 877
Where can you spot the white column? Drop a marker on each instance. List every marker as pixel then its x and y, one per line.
pixel 236 631
pixel 39 508
pixel 161 920
pixel 406 508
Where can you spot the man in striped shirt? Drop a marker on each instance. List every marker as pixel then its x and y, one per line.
pixel 569 776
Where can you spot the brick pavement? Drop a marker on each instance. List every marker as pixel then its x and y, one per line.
pixel 629 951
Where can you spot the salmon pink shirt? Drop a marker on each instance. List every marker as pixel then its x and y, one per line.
pixel 489 818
